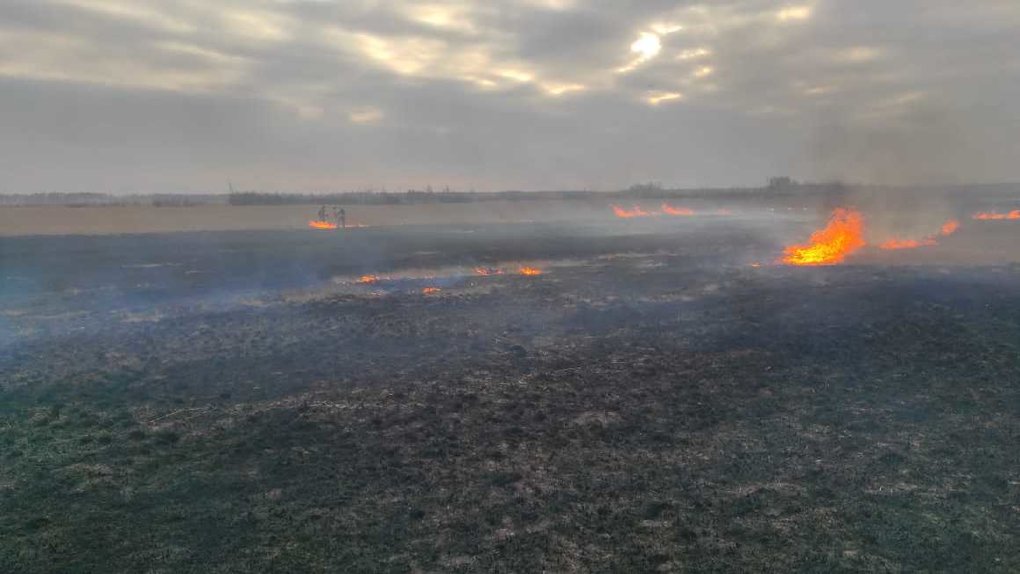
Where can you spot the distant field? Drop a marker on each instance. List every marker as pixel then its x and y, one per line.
pixel 59 220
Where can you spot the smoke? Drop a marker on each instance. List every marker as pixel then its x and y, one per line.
pixel 923 144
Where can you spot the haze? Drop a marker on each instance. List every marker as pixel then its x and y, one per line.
pixel 176 96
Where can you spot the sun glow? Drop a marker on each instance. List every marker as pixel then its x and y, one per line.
pixel 648 45
pixel 794 14
pixel 656 98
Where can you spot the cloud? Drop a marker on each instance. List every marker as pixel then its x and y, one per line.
pixel 656 98
pixel 509 93
pixel 366 115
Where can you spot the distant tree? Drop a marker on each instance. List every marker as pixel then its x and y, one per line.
pixel 650 187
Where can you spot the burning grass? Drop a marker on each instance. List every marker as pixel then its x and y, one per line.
pixel 899 244
pixel 843 236
pixel 995 216
pixel 948 228
pixel 315 224
pixel 637 211
pixel 675 211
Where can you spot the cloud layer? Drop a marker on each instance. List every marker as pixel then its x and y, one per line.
pixel 120 95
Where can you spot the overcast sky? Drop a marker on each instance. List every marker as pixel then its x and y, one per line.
pixel 186 95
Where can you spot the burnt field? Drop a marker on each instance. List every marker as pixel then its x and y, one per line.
pixel 662 397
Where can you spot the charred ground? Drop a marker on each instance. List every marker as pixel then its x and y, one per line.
pixel 652 402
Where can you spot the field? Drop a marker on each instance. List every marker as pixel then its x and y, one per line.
pixel 662 397
pixel 105 220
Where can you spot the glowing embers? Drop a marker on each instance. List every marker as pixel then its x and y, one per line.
pixel 316 224
pixel 843 236
pixel 430 281
pixel 526 270
pixel 995 216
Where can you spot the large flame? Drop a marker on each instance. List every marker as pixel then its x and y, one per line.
pixel 994 216
pixel 677 211
pixel 950 227
pixel 841 237
pixel 625 213
pixel 315 224
pixel 529 271
pixel 368 279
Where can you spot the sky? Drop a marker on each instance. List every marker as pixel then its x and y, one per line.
pixel 130 96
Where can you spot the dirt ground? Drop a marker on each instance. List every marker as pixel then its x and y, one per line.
pixel 661 398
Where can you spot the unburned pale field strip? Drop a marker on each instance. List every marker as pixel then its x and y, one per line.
pixel 61 220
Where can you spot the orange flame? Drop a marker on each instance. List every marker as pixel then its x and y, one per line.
pixel 321 225
pixel 530 271
pixel 368 279
pixel 994 216
pixel 670 210
pixel 841 237
pixel 897 244
pixel 430 290
pixel 625 213
pixel 948 228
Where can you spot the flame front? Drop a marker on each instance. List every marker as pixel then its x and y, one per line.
pixel 994 216
pixel 831 245
pixel 948 228
pixel 897 244
pixel 638 211
pixel 625 213
pixel 677 211
pixel 315 224
pixel 368 279
pixel 430 290
pixel 530 271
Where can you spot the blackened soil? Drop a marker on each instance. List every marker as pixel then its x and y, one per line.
pixel 655 405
